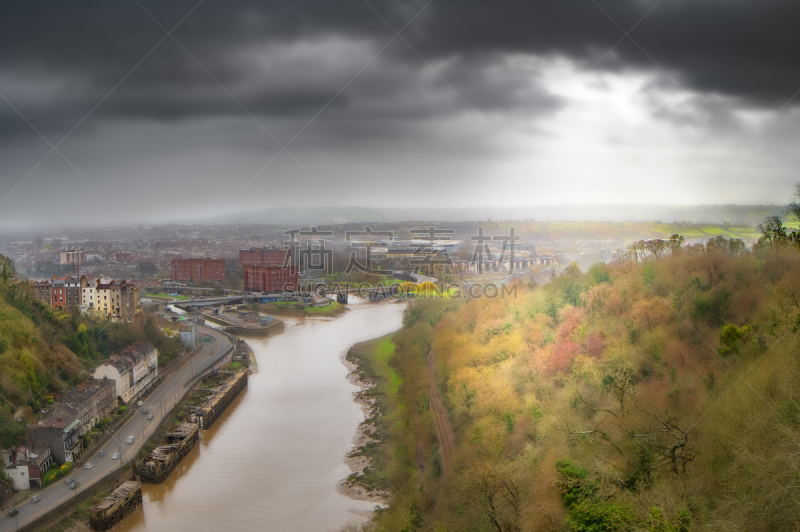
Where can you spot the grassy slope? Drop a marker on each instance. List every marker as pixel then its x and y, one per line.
pixel 380 356
pixel 44 351
pixel 30 368
pixel 388 414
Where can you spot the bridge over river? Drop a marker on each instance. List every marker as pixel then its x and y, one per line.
pixel 369 292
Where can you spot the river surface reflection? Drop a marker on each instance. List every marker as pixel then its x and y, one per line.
pixel 274 459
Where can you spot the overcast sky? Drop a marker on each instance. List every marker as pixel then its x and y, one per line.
pixel 249 105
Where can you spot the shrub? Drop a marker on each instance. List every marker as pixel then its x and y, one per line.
pixel 587 511
pixel 730 337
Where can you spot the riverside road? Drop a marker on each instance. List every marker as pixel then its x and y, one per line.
pixel 159 403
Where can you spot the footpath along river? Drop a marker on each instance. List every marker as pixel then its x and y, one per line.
pixel 274 459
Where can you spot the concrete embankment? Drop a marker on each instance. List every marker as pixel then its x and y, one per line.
pixel 260 332
pixel 231 327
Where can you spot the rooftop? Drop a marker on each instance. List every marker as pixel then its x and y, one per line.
pixel 62 416
pixel 86 392
pixel 130 356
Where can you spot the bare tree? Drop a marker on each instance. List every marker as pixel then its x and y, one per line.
pixel 674 243
pixel 644 441
pixel 493 492
pixel 794 205
pixel 656 247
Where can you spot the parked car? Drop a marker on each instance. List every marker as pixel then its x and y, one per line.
pixel 149 417
pixel 129 440
pixel 89 465
pixel 101 453
pixel 35 499
pixel 115 456
pixel 12 512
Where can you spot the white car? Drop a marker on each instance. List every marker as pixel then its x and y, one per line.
pixel 115 456
pixel 129 440
pixel 89 466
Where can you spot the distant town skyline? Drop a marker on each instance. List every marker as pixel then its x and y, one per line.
pixel 148 111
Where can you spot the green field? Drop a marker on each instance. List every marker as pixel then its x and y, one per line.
pixel 381 355
pixel 374 360
pixel 388 413
pixel 696 231
pixel 334 309
pixel 165 296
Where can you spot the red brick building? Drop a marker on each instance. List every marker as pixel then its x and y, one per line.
pixel 58 294
pixel 269 278
pixel 61 293
pixel 197 269
pixel 262 256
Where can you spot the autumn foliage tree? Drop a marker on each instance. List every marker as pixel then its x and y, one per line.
pixel 657 392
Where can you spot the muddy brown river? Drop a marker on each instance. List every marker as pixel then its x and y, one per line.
pixel 274 459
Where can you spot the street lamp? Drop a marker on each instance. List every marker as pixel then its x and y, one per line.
pixel 119 449
pixel 13 506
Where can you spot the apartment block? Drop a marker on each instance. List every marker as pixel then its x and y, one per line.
pixel 262 256
pixel 119 301
pixel 72 257
pixel 269 278
pixel 198 269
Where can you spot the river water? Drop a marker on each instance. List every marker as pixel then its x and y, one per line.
pixel 274 459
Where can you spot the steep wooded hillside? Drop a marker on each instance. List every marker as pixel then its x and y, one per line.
pixel 659 393
pixel 44 351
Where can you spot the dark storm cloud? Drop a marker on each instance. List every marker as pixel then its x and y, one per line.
pixel 737 48
pixel 60 58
